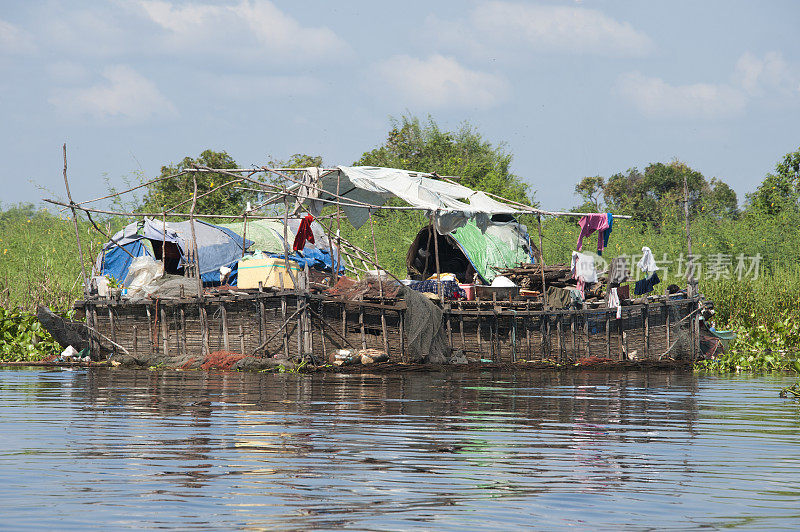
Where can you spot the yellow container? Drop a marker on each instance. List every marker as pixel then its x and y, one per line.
pixel 270 271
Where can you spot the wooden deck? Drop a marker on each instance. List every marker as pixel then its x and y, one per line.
pixel 293 325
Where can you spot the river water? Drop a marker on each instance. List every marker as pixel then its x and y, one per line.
pixel 113 449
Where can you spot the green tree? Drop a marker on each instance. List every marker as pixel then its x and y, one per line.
pixel 719 200
pixel 647 195
pixel 298 160
pixel 780 191
pixel 167 193
pixel 590 189
pixel 464 153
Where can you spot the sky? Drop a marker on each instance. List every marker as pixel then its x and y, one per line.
pixel 571 89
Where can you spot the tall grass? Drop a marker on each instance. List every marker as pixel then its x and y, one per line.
pixel 39 258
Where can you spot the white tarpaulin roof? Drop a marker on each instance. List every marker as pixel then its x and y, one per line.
pixel 451 204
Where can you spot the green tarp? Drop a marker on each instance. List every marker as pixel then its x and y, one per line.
pixel 265 234
pixel 502 245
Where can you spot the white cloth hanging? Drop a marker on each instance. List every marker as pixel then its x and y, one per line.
pixel 583 267
pixel 647 264
pixel 613 302
pixel 309 191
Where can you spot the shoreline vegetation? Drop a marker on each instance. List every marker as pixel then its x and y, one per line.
pixel 748 256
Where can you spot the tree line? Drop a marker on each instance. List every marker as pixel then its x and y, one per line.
pixel 649 194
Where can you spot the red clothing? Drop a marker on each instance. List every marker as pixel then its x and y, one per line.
pixel 591 223
pixel 304 233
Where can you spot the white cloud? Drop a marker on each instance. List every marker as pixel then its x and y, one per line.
pixel 656 98
pixel 497 25
pixel 759 76
pixel 14 39
pixel 440 82
pixel 250 27
pixel 124 94
pixel 254 87
pixel 66 72
pixel 770 78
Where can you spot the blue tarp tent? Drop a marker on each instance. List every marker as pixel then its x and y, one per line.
pixel 216 247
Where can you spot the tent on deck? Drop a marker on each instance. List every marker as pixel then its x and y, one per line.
pixel 451 205
pixel 469 252
pixel 267 236
pixel 216 247
pixel 477 234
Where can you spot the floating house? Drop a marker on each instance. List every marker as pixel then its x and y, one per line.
pixel 291 287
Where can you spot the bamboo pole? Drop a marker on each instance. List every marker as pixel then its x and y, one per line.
pixel 225 339
pixel 196 256
pixel 204 194
pixel 151 335
pixel 262 321
pixel 97 228
pixel 165 331
pixel 286 247
pixel 361 326
pixel 280 329
pixel 646 325
pixel 338 230
pixel 460 326
pixel 141 185
pixel 527 321
pixel 158 214
pixel 380 288
pixel 560 327
pixel 401 319
pixel 183 327
pixel 244 233
pixel 308 337
pixel 574 334
pixel 164 244
pixel 330 327
pixel 438 270
pixel 284 310
pixel 541 265
pixel 344 320
pixel 690 279
pixel 75 222
pixel 111 323
pixel 586 332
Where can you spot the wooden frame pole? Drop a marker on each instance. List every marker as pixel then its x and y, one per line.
pixel 380 286
pixel 194 241
pixel 75 222
pixel 541 262
pixel 438 269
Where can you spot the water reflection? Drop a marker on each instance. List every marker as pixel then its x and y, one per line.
pixel 477 450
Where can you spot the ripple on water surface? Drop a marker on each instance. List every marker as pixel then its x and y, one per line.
pixel 138 449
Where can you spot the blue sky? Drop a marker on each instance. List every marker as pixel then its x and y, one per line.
pixel 571 88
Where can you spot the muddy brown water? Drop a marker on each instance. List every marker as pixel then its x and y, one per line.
pixel 116 449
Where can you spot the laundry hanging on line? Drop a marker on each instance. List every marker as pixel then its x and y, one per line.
pixel 647 264
pixel 583 270
pixel 607 232
pixel 591 223
pixel 645 286
pixel 613 302
pixel 304 233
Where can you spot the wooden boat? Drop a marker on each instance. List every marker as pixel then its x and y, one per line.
pixel 312 322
